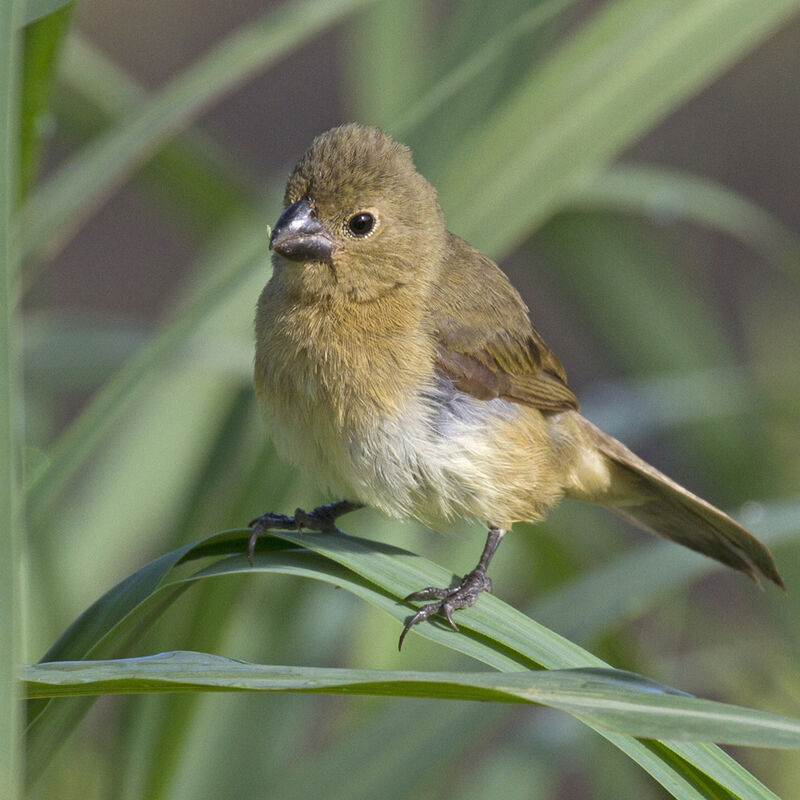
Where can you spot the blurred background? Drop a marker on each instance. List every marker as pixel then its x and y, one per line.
pixel 646 206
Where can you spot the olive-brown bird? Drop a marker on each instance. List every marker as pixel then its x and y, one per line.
pixel 398 366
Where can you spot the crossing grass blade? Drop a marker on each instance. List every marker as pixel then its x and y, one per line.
pixel 618 701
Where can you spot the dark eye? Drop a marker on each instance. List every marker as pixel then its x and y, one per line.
pixel 361 224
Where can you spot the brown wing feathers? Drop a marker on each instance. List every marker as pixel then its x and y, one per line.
pixel 487 345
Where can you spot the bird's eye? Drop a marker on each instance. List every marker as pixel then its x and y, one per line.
pixel 361 224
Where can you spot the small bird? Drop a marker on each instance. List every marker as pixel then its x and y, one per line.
pixel 397 365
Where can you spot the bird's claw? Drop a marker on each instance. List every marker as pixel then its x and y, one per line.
pixel 463 595
pixel 322 519
pixel 261 524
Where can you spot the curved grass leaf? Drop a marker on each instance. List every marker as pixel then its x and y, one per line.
pixel 671 195
pixel 49 723
pixel 491 632
pixel 612 699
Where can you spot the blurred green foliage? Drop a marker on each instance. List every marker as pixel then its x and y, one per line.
pixel 142 440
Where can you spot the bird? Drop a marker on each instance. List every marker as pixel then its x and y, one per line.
pixel 398 367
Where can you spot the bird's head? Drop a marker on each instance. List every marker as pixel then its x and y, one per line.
pixel 359 220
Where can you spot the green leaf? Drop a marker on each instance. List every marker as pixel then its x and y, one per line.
pixel 49 722
pixel 492 632
pixel 382 77
pixel 611 699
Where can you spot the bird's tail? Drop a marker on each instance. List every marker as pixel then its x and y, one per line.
pixel 652 501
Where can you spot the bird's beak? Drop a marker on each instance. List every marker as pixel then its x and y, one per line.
pixel 299 236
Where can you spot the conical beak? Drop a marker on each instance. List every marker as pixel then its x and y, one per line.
pixel 299 236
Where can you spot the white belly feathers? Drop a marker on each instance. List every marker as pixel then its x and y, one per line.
pixel 430 461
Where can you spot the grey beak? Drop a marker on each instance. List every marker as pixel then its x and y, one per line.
pixel 299 236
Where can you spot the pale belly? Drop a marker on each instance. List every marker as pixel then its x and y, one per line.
pixel 442 456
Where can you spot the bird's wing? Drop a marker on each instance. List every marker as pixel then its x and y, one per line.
pixel 485 341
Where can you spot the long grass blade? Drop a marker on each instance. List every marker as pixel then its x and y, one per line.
pixel 201 178
pixel 469 68
pixel 618 701
pixel 10 403
pixel 526 640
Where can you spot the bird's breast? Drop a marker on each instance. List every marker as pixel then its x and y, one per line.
pixel 369 418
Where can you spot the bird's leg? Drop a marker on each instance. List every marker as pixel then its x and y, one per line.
pixel 321 520
pixel 462 595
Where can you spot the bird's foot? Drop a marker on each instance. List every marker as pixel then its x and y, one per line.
pixel 322 519
pixel 463 595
